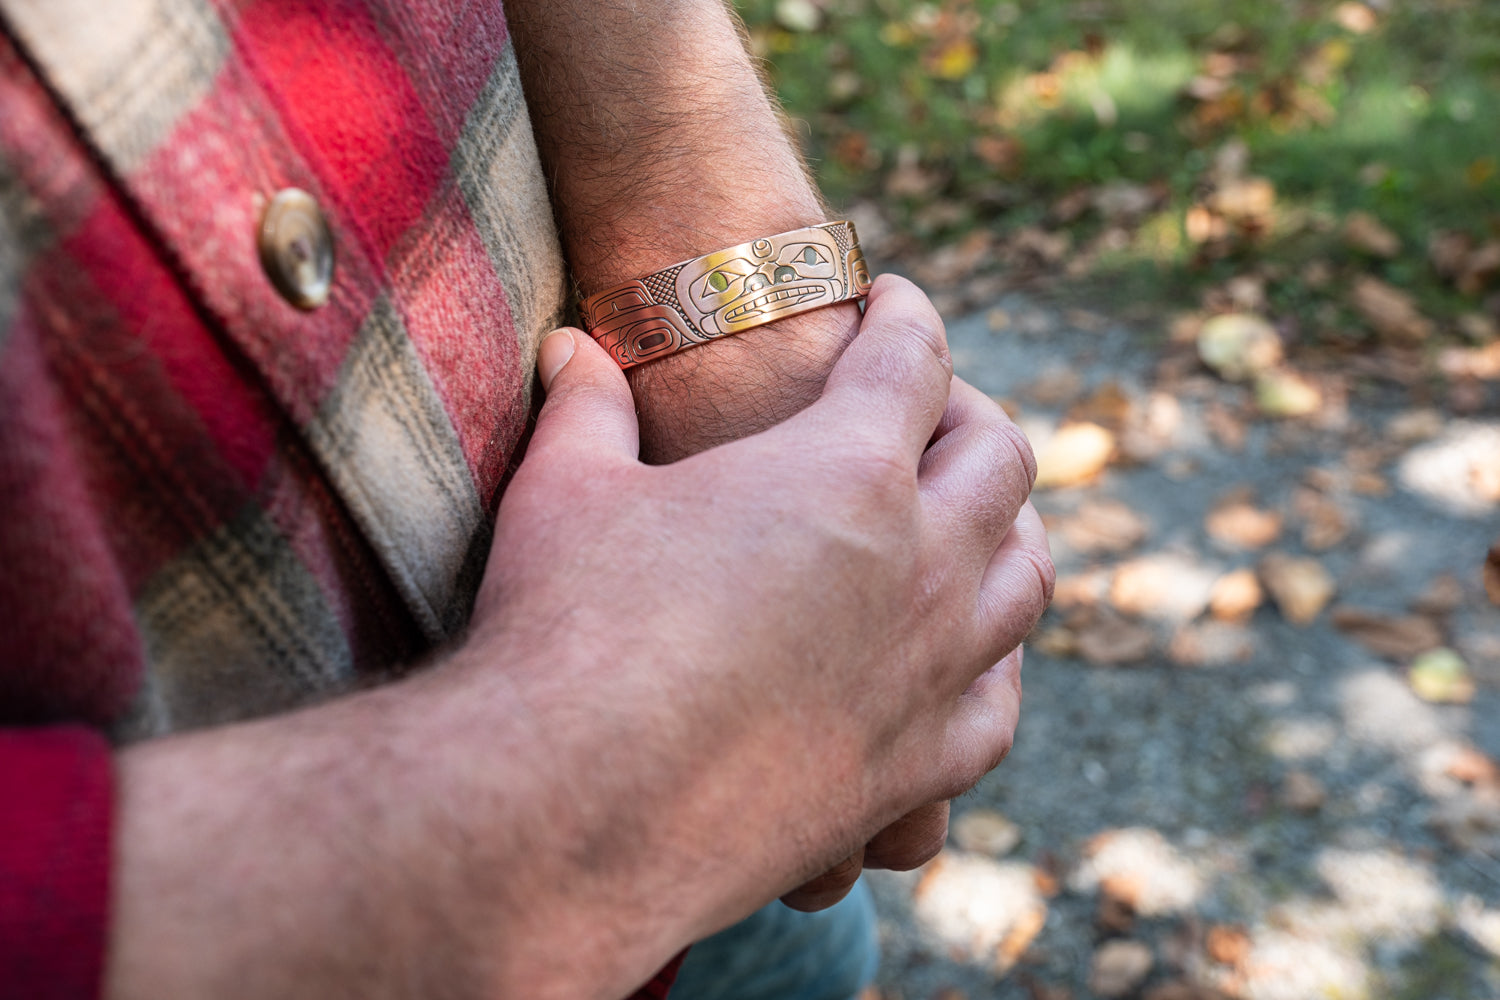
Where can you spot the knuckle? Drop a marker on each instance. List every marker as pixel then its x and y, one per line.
pixel 1011 447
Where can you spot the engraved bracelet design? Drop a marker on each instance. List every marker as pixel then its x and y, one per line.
pixel 727 292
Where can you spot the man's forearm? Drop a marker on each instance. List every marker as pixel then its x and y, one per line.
pixel 660 144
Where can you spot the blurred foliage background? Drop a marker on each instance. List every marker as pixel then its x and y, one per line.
pixel 1332 165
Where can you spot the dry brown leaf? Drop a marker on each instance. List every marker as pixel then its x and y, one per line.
pixel 1247 202
pixel 1391 313
pixel 1479 269
pixel 1492 574
pixel 1059 641
pixel 1080 590
pixel 1109 640
pixel 1472 362
pixel 1236 521
pixel 1124 888
pixel 1228 429
pixel 1443 596
pixel 1414 426
pixel 1302 792
pixel 1108 406
pixel 1472 767
pixel 1449 251
pixel 1211 644
pixel 1236 596
pixel 1325 522
pixel 1057 386
pixel 1399 637
pixel 1162 587
pixel 1103 525
pixel 1228 944
pixel 1300 587
pixel 1181 989
pixel 1119 967
pixel 1073 455
pixel 1114 917
pixel 1038 990
pixel 1367 234
pixel 1020 936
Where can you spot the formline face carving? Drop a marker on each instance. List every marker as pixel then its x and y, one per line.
pixel 728 291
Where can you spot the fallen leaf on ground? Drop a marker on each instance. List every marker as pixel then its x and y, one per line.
pixel 1236 521
pixel 1441 676
pixel 984 831
pixel 1367 234
pixel 1073 455
pixel 1448 250
pixel 1109 640
pixel 1443 596
pixel 1325 522
pixel 1246 202
pixel 1211 644
pixel 1081 590
pixel 1390 312
pixel 1286 394
pixel 1399 637
pixel 1227 428
pixel 1479 269
pixel 1302 792
pixel 1181 989
pixel 1472 767
pixel 1107 526
pixel 1108 406
pixel 1491 574
pixel 1239 346
pixel 1022 933
pixel 1236 596
pixel 1162 587
pixel 1301 587
pixel 1119 967
pixel 1414 426
pixel 1228 944
pixel 1114 917
pixel 1471 362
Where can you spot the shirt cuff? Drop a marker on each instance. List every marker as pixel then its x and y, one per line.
pixel 56 799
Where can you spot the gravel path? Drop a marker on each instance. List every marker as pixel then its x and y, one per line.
pixel 1260 809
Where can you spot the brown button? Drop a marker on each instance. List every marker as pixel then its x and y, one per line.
pixel 296 248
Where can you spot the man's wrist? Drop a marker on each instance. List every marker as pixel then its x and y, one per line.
pixel 739 385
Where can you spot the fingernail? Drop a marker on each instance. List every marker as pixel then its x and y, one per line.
pixel 556 350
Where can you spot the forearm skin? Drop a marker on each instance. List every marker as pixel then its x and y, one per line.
pixel 661 144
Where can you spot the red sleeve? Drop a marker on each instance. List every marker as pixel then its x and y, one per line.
pixel 56 794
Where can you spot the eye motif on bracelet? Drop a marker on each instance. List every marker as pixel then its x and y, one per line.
pixel 727 292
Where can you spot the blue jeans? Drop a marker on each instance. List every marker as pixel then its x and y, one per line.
pixel 779 954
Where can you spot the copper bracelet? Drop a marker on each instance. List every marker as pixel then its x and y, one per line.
pixel 727 292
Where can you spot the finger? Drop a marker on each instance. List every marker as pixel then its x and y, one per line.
pixel 892 381
pixel 977 473
pixel 828 888
pixel 1017 584
pixel 589 408
pixel 911 841
pixel 982 728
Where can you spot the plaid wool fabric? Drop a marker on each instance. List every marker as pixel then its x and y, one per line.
pixel 215 505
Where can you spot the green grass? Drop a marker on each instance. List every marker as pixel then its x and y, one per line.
pixel 997 110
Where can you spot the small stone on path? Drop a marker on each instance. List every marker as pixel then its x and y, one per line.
pixel 1119 967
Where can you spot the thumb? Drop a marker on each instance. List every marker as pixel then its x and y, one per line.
pixel 589 407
